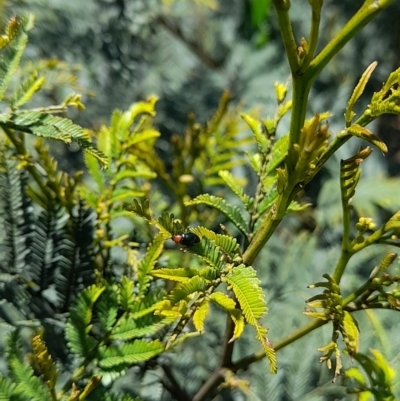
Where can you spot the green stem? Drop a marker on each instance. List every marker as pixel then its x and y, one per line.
pixel 301 90
pixel 282 10
pixel 366 13
pixel 314 32
pixel 341 265
pixel 346 225
pixel 259 240
pixel 257 356
pixel 354 295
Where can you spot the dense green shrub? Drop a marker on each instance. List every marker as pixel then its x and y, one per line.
pixel 113 310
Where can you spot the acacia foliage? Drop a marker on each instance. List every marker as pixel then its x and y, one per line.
pixel 70 264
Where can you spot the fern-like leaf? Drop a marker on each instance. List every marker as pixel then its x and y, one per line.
pixel 236 188
pixel 8 390
pixel 142 209
pixel 128 354
pixel 249 293
pixel 126 297
pixel 278 153
pixel 49 126
pixel 350 174
pixel 80 318
pixel 13 49
pixel 146 265
pixel 16 218
pixel 107 308
pixel 129 328
pixel 227 244
pixel 246 286
pixel 209 252
pixel 223 301
pixel 27 89
pixel 182 274
pixel 231 212
pixel 260 132
pixel 74 256
pixel 170 224
pixel 200 315
pixel 367 135
pixel 27 383
pixel 183 290
pixel 228 305
pixel 44 362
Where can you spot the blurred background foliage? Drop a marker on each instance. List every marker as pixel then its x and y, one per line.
pixel 116 52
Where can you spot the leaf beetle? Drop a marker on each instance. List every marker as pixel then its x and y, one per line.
pixel 186 239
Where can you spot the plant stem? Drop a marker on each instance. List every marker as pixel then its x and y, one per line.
pixel 366 13
pixel 341 265
pixel 355 294
pixel 257 356
pixel 282 10
pixel 175 388
pixel 316 6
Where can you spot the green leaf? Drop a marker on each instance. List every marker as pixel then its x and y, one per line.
pixel 246 286
pixel 267 347
pixel 128 354
pixel 183 290
pixel 142 209
pixel 350 174
pixel 126 297
pixel 229 305
pixel 27 383
pixel 260 132
pixel 380 374
pixel 49 126
pixel 107 308
pixel 140 137
pixel 209 252
pixel 350 332
pixel 231 212
pixel 278 153
pixel 358 91
pixel 95 171
pixel 78 325
pixel 367 135
pixel 8 390
pixel 12 52
pixel 147 264
pixel 239 321
pixel 200 315
pixel 182 274
pixel 28 88
pixel 171 225
pixel 227 244
pixel 139 172
pixel 223 301
pixel 259 11
pixel 125 194
pixel 129 328
pixel 236 188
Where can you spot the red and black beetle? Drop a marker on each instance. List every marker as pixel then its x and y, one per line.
pixel 186 239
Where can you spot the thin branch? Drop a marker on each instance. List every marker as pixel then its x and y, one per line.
pixel 210 385
pixel 366 13
pixel 245 362
pixel 175 388
pixel 192 45
pixel 227 346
